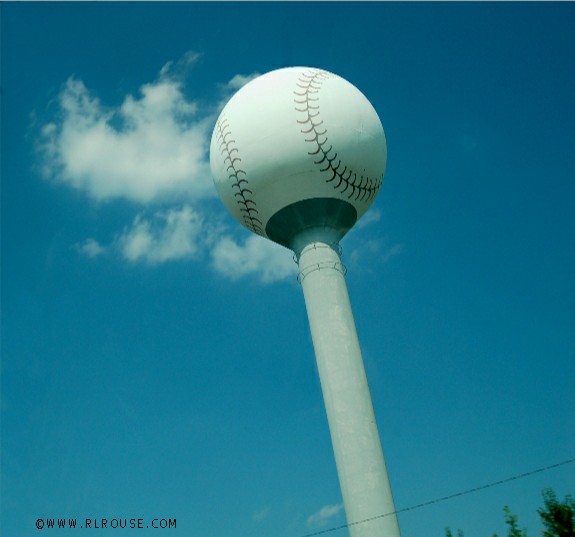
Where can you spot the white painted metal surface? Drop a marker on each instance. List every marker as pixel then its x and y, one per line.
pixel 359 457
pixel 294 134
pixel 298 155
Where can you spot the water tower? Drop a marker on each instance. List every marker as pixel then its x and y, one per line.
pixel 298 155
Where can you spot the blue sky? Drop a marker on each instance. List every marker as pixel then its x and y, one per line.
pixel 156 358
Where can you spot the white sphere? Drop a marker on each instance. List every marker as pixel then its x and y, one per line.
pixel 298 148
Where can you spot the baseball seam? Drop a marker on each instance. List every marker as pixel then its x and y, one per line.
pixel 239 177
pixel 307 100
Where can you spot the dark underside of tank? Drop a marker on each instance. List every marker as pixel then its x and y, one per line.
pixel 290 221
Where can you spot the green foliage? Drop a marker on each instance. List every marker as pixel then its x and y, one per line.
pixel 558 518
pixel 511 521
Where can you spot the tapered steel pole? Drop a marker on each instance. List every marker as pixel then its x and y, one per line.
pixel 357 448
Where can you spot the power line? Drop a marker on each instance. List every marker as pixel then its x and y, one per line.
pixel 444 498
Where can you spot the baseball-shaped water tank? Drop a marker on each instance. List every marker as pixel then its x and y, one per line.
pixel 295 149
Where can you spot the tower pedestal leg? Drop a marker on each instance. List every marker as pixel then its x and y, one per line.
pixel 357 448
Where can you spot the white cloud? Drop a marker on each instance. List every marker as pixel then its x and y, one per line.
pixel 174 234
pixel 151 149
pixel 184 233
pixel 159 148
pixel 260 515
pixel 370 217
pixel 232 86
pixel 324 514
pixel 371 253
pixel 180 67
pixel 368 250
pixel 239 81
pixel 91 248
pixel 256 257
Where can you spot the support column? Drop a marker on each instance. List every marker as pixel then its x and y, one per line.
pixel 358 454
